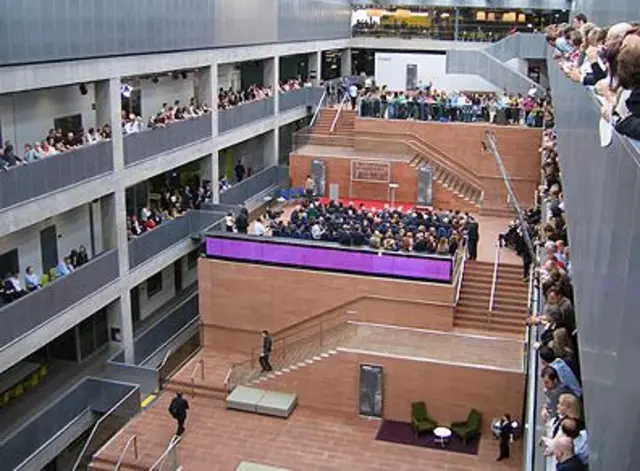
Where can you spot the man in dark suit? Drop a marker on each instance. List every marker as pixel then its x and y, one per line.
pixel 178 410
pixel 473 236
pixel 267 344
pixel 506 431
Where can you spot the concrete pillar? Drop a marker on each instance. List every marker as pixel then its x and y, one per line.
pixel 345 63
pixel 108 108
pixel 315 67
pixel 206 91
pixel 210 170
pixel 272 147
pixel 271 78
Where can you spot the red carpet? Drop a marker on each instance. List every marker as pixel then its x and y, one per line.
pixel 370 203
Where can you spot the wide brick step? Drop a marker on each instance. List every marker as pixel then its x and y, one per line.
pixel 475 325
pixel 472 311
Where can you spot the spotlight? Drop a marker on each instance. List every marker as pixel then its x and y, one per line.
pixel 83 89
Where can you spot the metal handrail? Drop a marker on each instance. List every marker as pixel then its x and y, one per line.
pixel 160 462
pixel 98 423
pixel 460 277
pixel 335 120
pixel 133 439
pixel 495 277
pixel 166 356
pixel 314 118
pixel 200 366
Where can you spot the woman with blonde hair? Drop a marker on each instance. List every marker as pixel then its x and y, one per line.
pixel 562 346
pixel 443 247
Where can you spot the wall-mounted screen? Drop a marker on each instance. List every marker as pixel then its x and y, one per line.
pixel 322 257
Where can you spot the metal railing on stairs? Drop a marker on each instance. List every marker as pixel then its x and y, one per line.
pixel 314 118
pixel 169 457
pixel 460 277
pixel 133 440
pixel 494 282
pixel 199 367
pixel 335 119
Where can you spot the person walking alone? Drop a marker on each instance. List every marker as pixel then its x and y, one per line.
pixel 266 352
pixel 506 431
pixel 473 236
pixel 178 410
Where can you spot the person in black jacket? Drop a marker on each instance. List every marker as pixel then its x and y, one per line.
pixel 178 410
pixel 506 431
pixel 242 221
pixel 266 352
pixel 473 235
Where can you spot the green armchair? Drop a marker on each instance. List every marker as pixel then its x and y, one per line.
pixel 420 420
pixel 469 428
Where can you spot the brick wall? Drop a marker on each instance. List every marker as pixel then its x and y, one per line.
pixel 339 171
pixel 448 390
pixel 238 300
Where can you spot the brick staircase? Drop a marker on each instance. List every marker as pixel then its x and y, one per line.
pixel 343 134
pixel 298 355
pixel 510 304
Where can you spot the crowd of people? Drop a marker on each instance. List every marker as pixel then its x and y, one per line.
pixel 565 440
pixel 55 142
pixel 175 200
pixel 230 98
pixel 438 232
pixel 165 116
pixel 12 288
pixel 428 104
pixel 606 59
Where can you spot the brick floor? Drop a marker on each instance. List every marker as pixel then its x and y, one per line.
pixel 218 440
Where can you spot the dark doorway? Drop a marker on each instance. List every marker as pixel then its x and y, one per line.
pixel 49 248
pixel 177 268
pixel 64 347
pixel 9 262
pixel 371 391
pixel 135 305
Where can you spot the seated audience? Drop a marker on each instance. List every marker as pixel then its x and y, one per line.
pixel 435 232
pixel 31 279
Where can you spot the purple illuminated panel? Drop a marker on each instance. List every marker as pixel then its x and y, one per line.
pixel 364 262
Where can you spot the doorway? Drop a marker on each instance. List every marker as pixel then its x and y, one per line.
pixel 177 276
pixel 412 77
pixel 135 305
pixel 49 248
pixel 371 391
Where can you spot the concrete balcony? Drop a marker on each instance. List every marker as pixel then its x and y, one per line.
pixel 303 97
pixel 247 113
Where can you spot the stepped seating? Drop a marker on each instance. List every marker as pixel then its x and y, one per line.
pixel 510 300
pixel 263 402
pixel 449 180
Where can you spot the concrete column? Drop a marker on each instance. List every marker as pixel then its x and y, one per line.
pixel 346 63
pixel 272 147
pixel 206 91
pixel 117 312
pixel 315 67
pixel 210 170
pixel 108 108
pixel 271 77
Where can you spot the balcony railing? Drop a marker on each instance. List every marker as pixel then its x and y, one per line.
pixel 255 184
pixel 308 96
pixel 142 145
pixel 169 233
pixel 34 309
pixel 27 445
pixel 247 113
pixel 23 183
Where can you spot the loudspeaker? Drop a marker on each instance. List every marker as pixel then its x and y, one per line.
pixel 83 89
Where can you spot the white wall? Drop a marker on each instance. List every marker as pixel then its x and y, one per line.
pixel 519 65
pixel 72 227
pixel 391 70
pixel 167 90
pixel 149 305
pixel 229 77
pixel 27 117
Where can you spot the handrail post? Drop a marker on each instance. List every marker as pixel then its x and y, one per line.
pixel 495 277
pixel 193 387
pixel 135 447
pixel 202 368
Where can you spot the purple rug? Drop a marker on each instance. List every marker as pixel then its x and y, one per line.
pixel 402 433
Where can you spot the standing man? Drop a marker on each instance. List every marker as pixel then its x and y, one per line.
pixel 240 171
pixel 473 235
pixel 506 431
pixel 242 221
pixel 178 410
pixel 309 187
pixel 353 95
pixel 267 343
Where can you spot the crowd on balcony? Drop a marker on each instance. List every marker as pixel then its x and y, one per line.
pixel 12 287
pixel 565 439
pixel 165 116
pixel 175 200
pixel 428 104
pixel 438 232
pixel 606 59
pixel 294 84
pixel 231 98
pixel 55 142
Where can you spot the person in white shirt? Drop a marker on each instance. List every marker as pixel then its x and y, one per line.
pixel 131 126
pixel 31 279
pixel 258 228
pixel 145 214
pixel 353 94
pixel 228 222
pixel 560 252
pixel 317 230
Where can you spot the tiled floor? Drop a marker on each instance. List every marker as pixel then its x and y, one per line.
pixel 218 440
